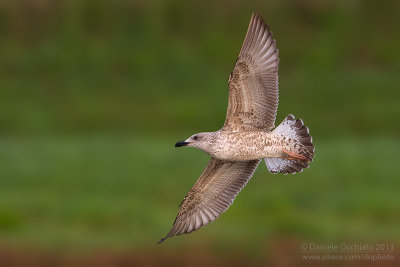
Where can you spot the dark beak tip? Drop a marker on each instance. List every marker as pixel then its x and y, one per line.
pixel 181 143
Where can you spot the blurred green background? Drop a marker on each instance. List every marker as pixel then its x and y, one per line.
pixel 94 94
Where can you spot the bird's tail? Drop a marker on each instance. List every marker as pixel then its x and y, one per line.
pixel 300 141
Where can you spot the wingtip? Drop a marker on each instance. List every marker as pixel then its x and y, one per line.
pixel 161 240
pixel 257 15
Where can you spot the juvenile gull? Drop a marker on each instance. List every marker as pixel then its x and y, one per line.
pixel 246 137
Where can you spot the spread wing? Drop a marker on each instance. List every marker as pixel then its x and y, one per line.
pixel 212 194
pixel 253 83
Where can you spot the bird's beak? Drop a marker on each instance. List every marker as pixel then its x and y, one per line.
pixel 181 143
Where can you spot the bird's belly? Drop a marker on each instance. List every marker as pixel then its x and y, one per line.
pixel 247 152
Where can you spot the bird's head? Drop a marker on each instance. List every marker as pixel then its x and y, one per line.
pixel 202 141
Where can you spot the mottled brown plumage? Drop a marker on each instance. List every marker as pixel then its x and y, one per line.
pixel 212 194
pixel 245 139
pixel 253 83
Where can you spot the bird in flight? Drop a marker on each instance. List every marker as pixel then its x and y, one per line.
pixel 246 137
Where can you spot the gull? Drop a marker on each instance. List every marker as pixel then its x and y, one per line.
pixel 246 137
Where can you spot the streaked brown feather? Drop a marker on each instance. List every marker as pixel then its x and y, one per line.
pixel 253 83
pixel 212 194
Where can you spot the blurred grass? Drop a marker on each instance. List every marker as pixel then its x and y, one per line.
pixel 91 192
pixel 93 95
pixel 90 67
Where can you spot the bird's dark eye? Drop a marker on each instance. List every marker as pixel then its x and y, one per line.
pixel 195 137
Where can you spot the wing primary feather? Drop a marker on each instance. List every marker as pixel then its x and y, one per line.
pixel 253 102
pixel 211 195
